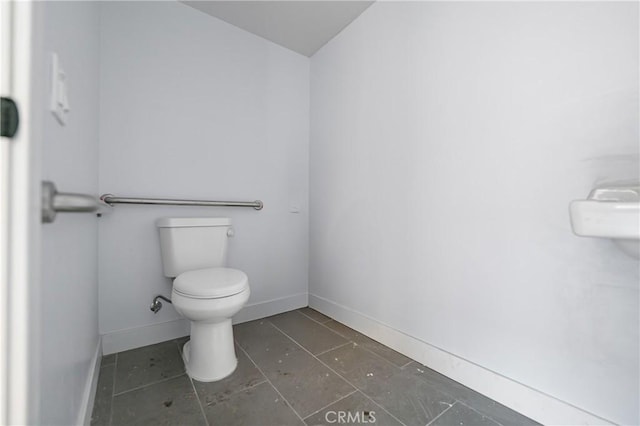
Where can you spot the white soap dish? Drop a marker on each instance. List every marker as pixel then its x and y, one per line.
pixel 611 211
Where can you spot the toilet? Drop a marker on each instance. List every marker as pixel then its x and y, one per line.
pixel 204 291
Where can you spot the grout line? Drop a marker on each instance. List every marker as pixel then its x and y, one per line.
pixel 240 391
pixel 313 319
pixel 380 356
pixel 338 374
pixel 341 335
pixel 407 364
pixel 204 415
pixel 363 347
pixel 261 382
pixel 157 381
pixel 166 379
pixel 334 402
pixel 269 381
pixel 198 399
pixel 268 319
pixel 482 414
pixel 335 347
pixel 436 417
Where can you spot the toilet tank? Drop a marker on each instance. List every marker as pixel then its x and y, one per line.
pixel 192 243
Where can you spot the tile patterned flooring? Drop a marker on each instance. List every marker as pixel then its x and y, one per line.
pixel 296 368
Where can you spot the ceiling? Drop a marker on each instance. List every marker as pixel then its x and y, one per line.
pixel 302 26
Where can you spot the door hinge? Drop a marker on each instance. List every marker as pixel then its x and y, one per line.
pixel 9 118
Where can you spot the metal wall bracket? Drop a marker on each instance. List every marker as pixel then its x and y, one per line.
pixel 54 202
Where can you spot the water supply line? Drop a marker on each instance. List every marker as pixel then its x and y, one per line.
pixel 156 305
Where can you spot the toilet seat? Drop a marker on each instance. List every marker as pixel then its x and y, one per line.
pixel 211 283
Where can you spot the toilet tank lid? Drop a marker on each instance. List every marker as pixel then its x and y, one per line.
pixel 188 222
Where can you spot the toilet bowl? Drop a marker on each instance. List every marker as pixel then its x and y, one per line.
pixel 204 291
pixel 209 298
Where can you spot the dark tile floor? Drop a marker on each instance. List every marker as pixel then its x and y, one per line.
pixel 296 368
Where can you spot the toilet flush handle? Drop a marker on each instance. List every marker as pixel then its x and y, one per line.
pixel 230 232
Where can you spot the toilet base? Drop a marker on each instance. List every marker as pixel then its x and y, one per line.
pixel 210 354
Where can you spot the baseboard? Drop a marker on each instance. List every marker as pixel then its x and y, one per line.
pixel 271 307
pixel 530 402
pixel 89 394
pixel 123 340
pixel 131 338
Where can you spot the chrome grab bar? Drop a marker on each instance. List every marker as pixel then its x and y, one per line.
pixel 112 199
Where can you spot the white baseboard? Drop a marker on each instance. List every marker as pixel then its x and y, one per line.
pixel 523 399
pixel 89 394
pixel 271 307
pixel 131 338
pixel 123 340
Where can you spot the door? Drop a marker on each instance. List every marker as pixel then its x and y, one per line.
pixel 19 220
pixel 48 296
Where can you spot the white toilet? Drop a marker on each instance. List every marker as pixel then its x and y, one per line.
pixel 204 291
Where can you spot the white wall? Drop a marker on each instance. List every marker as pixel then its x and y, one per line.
pixel 447 140
pixel 69 294
pixel 192 107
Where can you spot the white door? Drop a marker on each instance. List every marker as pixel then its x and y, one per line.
pixel 24 202
pixel 19 220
